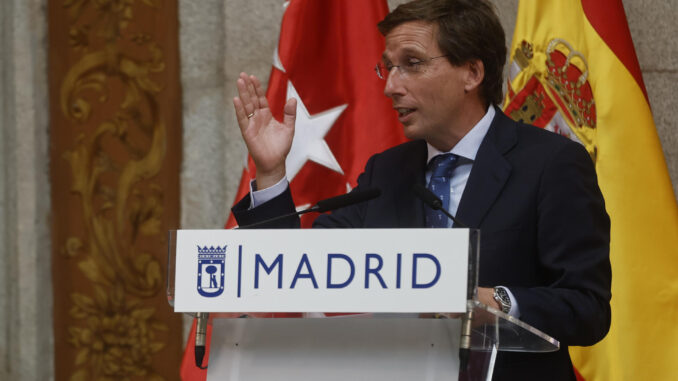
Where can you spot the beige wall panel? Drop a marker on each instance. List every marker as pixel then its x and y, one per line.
pixel 654 30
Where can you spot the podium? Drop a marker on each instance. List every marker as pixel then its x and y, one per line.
pixel 385 329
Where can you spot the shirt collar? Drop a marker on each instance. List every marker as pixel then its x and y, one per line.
pixel 468 146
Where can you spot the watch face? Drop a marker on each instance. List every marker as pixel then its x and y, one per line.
pixel 501 296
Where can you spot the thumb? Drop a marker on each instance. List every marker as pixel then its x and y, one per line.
pixel 290 113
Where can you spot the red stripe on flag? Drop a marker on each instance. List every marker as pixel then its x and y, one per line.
pixel 578 375
pixel 609 19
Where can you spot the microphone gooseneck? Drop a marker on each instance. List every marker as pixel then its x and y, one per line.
pixel 325 205
pixel 433 202
pixel 346 200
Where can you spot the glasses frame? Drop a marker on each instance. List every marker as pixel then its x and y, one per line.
pixel 402 68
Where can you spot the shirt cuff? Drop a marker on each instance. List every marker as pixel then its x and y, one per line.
pixel 258 197
pixel 514 311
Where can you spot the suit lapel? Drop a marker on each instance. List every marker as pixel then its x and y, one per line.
pixel 409 208
pixel 490 171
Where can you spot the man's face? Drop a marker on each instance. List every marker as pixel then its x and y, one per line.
pixel 428 94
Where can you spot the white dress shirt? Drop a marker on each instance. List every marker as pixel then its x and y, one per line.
pixel 465 150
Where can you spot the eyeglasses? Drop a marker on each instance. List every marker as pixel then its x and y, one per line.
pixel 410 67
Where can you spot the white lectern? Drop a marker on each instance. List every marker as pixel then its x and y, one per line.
pixel 372 304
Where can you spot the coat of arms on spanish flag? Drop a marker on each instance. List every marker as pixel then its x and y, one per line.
pixel 574 71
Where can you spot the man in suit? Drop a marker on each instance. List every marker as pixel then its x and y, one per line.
pixel 544 254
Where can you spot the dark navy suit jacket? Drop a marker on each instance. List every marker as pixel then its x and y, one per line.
pixel 544 231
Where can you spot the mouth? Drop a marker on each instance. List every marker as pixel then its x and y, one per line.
pixel 404 113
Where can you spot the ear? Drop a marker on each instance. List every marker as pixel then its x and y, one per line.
pixel 475 73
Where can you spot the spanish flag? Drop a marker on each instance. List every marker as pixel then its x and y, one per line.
pixel 574 71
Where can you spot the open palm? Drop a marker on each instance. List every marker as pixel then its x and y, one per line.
pixel 267 140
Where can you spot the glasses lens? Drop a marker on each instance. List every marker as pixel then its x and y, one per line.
pixel 381 70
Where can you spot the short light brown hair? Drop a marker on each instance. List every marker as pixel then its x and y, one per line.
pixel 467 30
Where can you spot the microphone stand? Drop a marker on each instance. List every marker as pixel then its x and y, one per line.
pixel 433 202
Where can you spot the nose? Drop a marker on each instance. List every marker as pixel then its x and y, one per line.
pixel 394 85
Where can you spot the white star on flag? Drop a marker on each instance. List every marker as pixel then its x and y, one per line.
pixel 309 137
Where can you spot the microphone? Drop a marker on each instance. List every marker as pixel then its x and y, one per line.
pixel 326 205
pixel 322 206
pixel 200 336
pixel 433 202
pixel 430 199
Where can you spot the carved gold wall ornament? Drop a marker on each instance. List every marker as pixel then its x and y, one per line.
pixel 111 97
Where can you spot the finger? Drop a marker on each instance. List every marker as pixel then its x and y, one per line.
pixel 247 90
pixel 253 93
pixel 243 90
pixel 244 95
pixel 261 93
pixel 290 113
pixel 245 78
pixel 240 114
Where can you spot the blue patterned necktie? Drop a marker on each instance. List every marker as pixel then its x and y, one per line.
pixel 441 173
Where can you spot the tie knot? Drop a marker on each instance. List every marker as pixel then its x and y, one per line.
pixel 443 165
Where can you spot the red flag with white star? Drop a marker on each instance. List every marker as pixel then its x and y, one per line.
pixel 325 59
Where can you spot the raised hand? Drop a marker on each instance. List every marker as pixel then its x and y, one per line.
pixel 267 140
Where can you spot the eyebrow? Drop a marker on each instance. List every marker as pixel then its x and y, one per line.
pixel 405 52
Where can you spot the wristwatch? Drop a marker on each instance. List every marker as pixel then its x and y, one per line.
pixel 502 297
